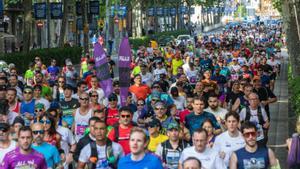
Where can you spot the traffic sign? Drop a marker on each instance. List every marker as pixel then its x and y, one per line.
pixel 40 10
pixel 39 24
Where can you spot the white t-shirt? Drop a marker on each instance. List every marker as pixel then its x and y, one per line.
pixel 179 102
pixel 11 147
pixel 209 158
pixel 147 78
pixel 102 162
pixel 157 73
pixel 227 144
pixel 67 138
pixel 254 119
pixel 11 117
pixel 219 112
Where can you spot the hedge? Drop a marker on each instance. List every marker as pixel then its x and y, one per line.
pixel 22 59
pixel 295 94
pixel 144 41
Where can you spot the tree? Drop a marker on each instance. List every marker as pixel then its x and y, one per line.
pixel 27 4
pixel 64 23
pixel 291 27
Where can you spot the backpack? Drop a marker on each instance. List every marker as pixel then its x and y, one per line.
pixel 181 146
pixel 259 115
pixel 117 133
pixel 109 154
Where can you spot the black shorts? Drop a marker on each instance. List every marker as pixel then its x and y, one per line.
pixel 273 76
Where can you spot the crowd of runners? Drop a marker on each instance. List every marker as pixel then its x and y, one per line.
pixel 200 103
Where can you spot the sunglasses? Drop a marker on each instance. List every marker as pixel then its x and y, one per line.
pixel 94 95
pixel 157 108
pixel 140 104
pixel 156 87
pixel 4 130
pixel 125 116
pixel 61 81
pixel 85 99
pixel 27 92
pixel 155 100
pixel 247 135
pixel 45 121
pixel 153 125
pixel 36 132
pixel 112 100
pixel 38 110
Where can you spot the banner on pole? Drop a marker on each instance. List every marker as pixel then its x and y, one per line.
pixel 124 69
pixel 102 69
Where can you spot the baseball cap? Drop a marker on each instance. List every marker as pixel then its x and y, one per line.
pixel 28 88
pixel 159 104
pixel 4 126
pixel 69 63
pixel 67 86
pixel 19 119
pixel 39 106
pixel 112 97
pixel 154 123
pixel 155 95
pixel 173 125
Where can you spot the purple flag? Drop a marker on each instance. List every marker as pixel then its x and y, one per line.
pixel 124 69
pixel 102 69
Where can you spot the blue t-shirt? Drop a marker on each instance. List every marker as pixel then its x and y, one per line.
pixel 258 159
pixel 27 108
pixel 50 153
pixel 193 122
pixel 149 161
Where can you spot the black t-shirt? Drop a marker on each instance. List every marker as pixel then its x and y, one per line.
pixel 266 68
pixel 231 96
pixel 264 94
pixel 67 108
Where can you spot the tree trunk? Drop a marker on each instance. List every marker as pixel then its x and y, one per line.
pixel 64 23
pixel 292 37
pixel 27 25
pixel 85 27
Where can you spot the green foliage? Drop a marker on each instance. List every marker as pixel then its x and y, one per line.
pixel 144 41
pixel 22 59
pixel 295 95
pixel 277 4
pixel 241 10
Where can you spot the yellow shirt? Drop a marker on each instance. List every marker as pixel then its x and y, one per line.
pixel 176 64
pixel 154 142
pixel 136 70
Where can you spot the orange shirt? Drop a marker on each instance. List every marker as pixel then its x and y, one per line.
pixel 141 92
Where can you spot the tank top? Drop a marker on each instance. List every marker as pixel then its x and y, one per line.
pixel 258 159
pixel 243 102
pixel 81 123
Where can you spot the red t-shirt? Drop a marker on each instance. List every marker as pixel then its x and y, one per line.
pixel 141 92
pixel 16 108
pixel 123 138
pixel 182 115
pixel 112 116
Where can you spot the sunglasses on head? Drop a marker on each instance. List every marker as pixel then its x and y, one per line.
pixel 247 135
pixel 125 116
pixel 38 132
pixel 45 121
